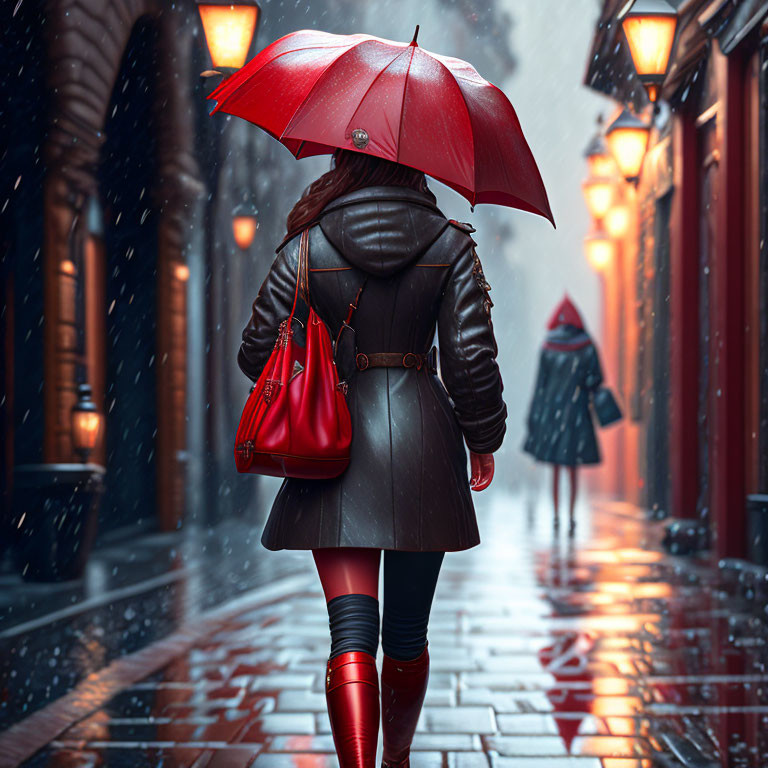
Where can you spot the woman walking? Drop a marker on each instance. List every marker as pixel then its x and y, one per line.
pixel 560 427
pixel 380 247
pixel 405 492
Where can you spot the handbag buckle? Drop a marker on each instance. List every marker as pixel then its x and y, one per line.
pixel 246 449
pixel 284 334
pixel 269 389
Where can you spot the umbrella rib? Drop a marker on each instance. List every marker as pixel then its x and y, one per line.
pixel 402 103
pixel 471 130
pixel 375 79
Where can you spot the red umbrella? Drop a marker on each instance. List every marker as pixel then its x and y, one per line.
pixel 314 92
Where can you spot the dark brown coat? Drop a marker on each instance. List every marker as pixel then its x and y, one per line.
pixel 407 486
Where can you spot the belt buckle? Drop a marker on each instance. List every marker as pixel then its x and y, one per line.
pixel 361 361
pixel 411 360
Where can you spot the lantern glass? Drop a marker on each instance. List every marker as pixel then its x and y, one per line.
pixel 628 146
pixel 617 221
pixel 86 426
pixel 600 249
pixel 598 194
pixel 244 229
pixel 228 31
pixel 650 39
pixel 602 166
pixel 86 422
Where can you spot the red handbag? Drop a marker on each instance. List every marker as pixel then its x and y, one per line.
pixel 296 422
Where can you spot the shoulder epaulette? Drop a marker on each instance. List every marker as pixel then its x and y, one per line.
pixel 463 226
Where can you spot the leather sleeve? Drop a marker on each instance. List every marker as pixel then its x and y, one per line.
pixel 271 306
pixel 468 355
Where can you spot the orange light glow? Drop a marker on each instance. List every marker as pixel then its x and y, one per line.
pixel 610 686
pixel 244 229
pixel 598 194
pixel 228 31
pixel 599 249
pixel 617 221
pixel 627 138
pixel 68 267
pixel 602 166
pixel 86 426
pixel 182 272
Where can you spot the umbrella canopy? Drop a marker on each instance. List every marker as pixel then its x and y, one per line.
pixel 316 92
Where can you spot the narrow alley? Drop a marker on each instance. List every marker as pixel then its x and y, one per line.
pixel 594 652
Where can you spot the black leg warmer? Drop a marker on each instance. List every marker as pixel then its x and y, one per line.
pixel 354 622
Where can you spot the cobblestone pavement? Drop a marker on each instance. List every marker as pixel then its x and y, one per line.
pixel 599 652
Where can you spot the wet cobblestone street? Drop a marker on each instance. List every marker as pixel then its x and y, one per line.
pixel 596 652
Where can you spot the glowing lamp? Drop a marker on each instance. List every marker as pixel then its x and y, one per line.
pixel 599 160
pixel 68 267
pixel 86 423
pixel 627 138
pixel 245 222
pixel 617 221
pixel 182 272
pixel 228 29
pixel 649 26
pixel 599 249
pixel 598 194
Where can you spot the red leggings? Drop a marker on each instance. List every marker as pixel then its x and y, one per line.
pixel 410 579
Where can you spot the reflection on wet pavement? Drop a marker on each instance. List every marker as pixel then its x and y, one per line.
pixel 600 652
pixel 52 636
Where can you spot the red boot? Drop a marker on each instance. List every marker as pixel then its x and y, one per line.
pixel 403 687
pixel 352 693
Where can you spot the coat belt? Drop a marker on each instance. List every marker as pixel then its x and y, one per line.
pixel 365 360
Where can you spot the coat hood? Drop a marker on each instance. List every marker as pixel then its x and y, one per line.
pixel 382 229
pixel 566 314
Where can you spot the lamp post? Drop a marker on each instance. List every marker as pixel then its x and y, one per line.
pixel 229 30
pixel 599 160
pixel 627 138
pixel 86 423
pixel 649 27
pixel 599 187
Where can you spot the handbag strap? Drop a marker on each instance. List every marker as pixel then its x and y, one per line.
pixel 302 283
pixel 301 280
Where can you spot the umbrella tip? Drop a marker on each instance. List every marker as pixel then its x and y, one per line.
pixel 415 35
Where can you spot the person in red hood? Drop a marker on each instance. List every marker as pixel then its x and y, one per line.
pixel 560 427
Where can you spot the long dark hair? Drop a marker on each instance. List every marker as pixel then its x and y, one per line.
pixel 351 171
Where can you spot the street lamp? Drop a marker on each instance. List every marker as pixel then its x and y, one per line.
pixel 599 249
pixel 229 29
pixel 86 423
pixel 627 138
pixel 598 194
pixel 649 26
pixel 245 222
pixel 599 160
